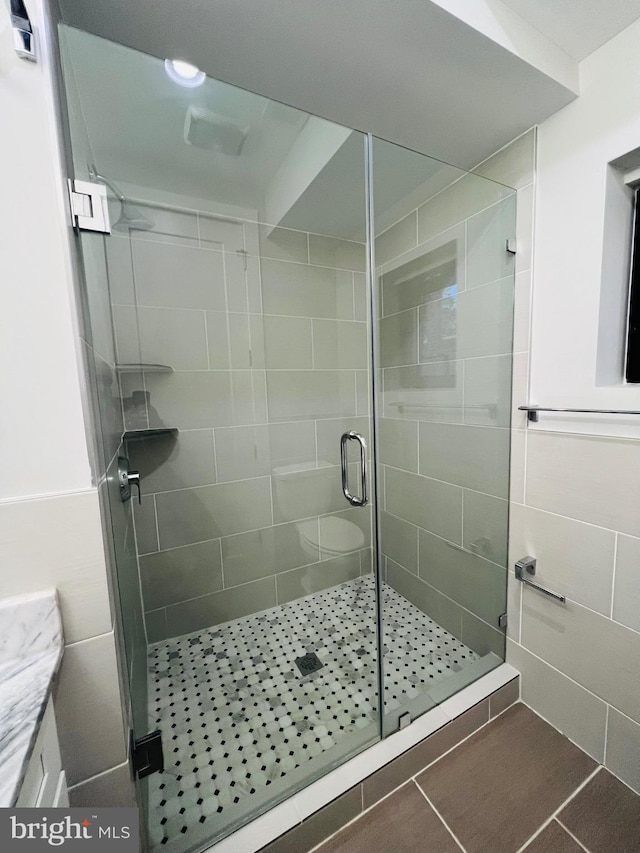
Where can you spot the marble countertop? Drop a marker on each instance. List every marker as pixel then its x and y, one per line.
pixel 31 646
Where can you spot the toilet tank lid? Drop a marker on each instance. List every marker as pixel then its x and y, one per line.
pixel 334 534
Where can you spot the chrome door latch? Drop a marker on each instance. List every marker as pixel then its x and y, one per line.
pixel 528 564
pixel 127 479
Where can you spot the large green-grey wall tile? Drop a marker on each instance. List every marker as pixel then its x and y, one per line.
pixel 475 457
pixel 287 343
pixel 430 504
pixel 486 526
pixel 339 344
pixel 487 235
pixel 168 462
pixel 174 337
pixel 399 238
pixel 314 578
pixel 331 252
pixel 168 226
pixel 220 233
pixel 424 392
pixel 283 244
pixel 399 338
pixel 292 443
pixel 190 400
pixel 473 582
pixel 308 394
pixel 145 525
pixel 437 606
pixel 218 340
pixel 487 391
pixel 430 271
pixel 181 573
pixel 242 452
pixel 399 541
pixel 220 607
pixel 484 320
pixel 398 443
pixel 330 432
pixel 169 276
pixel 297 290
pixel 259 553
pixel 306 493
pixel 209 512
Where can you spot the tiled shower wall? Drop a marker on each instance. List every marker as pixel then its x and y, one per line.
pixel 575 504
pixel 446 339
pixel 265 332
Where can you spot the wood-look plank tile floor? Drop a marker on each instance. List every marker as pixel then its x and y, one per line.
pixel 515 785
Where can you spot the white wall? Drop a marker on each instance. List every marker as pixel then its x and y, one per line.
pixel 44 449
pixel 574 148
pixel 575 495
pixel 50 523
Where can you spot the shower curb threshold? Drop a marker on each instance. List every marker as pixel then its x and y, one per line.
pixel 292 811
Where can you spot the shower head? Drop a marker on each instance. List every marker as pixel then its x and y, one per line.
pixel 130 218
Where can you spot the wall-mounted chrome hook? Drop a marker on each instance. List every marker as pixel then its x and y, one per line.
pixel 528 564
pixel 24 40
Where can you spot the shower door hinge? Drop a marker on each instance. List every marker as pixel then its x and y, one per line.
pixel 511 246
pixel 89 209
pixel 24 40
pixel 502 620
pixel 404 720
pixel 146 754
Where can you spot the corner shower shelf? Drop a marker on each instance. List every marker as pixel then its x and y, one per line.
pixel 143 368
pixel 140 434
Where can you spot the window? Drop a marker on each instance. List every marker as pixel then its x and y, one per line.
pixel 632 366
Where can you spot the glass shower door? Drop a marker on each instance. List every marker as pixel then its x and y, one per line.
pixel 255 351
pixel 236 292
pixel 444 293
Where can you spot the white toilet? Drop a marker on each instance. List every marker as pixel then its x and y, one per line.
pixel 336 536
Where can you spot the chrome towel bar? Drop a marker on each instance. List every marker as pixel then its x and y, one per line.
pixel 528 564
pixel 532 411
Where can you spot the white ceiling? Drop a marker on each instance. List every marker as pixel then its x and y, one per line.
pixel 577 26
pixel 416 72
pixel 406 70
pixel 135 119
pixel 133 116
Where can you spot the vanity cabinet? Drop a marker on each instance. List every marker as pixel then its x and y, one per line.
pixel 44 784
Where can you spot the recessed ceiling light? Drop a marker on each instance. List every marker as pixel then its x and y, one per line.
pixel 184 73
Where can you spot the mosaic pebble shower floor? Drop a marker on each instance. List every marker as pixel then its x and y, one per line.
pixel 241 723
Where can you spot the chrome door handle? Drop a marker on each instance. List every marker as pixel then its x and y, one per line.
pixel 353 499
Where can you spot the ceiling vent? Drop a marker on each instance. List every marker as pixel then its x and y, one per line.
pixel 205 129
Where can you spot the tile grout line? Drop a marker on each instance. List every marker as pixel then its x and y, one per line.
pixel 568 831
pixel 562 805
pixel 572 680
pixel 441 819
pixel 613 576
pixel 411 778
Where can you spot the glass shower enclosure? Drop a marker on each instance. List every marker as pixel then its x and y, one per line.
pixel 301 338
